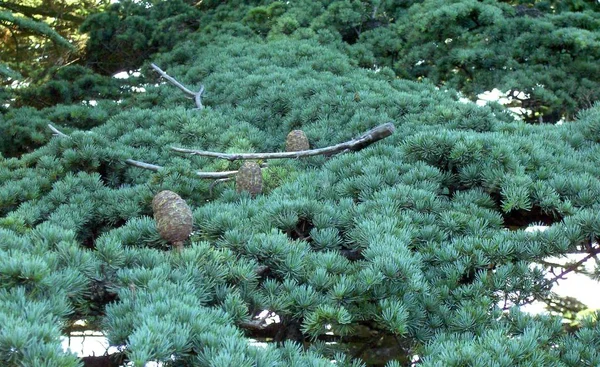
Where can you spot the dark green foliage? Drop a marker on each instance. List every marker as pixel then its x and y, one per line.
pixel 476 46
pixel 19 34
pixel 261 18
pixel 24 129
pixel 69 85
pixel 125 35
pixel 416 242
pixel 39 37
pixel 554 6
pixel 547 50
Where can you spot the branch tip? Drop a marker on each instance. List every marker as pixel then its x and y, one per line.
pixel 196 96
pixel 57 132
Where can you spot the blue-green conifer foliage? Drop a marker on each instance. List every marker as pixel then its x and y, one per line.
pixel 412 249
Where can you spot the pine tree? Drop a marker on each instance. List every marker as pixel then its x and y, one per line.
pixel 40 36
pixel 411 250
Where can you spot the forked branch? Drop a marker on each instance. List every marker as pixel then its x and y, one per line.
pixel 568 268
pixel 196 96
pixel 366 139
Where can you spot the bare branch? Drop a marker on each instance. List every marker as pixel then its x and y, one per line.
pixel 57 132
pixel 252 325
pixel 196 96
pixel 364 140
pixel 574 266
pixel 155 168
pixel 144 165
pixel 257 324
pixel 215 182
pixel 552 264
pixel 370 137
pixel 173 81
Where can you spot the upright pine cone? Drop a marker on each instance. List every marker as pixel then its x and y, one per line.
pixel 173 217
pixel 296 141
pixel 249 178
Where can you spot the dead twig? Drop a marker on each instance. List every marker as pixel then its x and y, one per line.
pixel 219 176
pixel 57 132
pixel 196 96
pixel 216 182
pixel 258 324
pixel 155 168
pixel 370 137
pixel 568 268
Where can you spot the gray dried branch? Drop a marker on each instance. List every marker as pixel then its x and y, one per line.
pixel 196 96
pixel 368 138
pixel 57 132
pixel 153 167
pixel 200 174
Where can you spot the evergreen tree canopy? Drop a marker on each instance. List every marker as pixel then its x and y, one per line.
pixel 412 250
pixel 38 35
pixel 542 54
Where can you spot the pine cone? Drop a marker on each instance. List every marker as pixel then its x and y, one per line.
pixel 296 141
pixel 249 178
pixel 173 217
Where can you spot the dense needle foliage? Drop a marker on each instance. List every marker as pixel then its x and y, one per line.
pixel 412 249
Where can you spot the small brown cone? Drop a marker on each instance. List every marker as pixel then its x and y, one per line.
pixel 173 217
pixel 296 141
pixel 249 178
